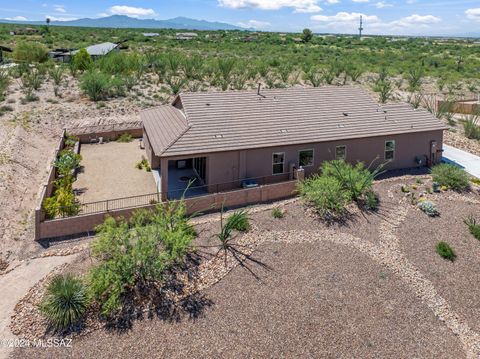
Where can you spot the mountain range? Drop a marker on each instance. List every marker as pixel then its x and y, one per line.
pixel 123 21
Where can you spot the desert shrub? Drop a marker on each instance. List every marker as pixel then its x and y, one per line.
pixel 473 227
pixel 326 194
pixel 96 85
pixel 356 180
pixel 135 255
pixel 445 251
pixel 451 176
pixel 82 61
pixel 239 221
pixel 29 52
pixel 63 201
pixel 429 208
pixel 471 127
pixel 125 138
pixel 67 161
pixel 65 301
pixel 70 141
pixel 143 164
pixel 278 213
pixel 4 82
pixel 371 201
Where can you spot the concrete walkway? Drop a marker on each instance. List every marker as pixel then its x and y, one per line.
pixel 15 285
pixel 469 162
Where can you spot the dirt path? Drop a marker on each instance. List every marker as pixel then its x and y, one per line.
pixel 15 285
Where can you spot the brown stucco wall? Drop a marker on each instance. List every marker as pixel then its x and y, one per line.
pixel 231 166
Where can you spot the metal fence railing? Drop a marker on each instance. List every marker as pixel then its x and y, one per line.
pixel 192 191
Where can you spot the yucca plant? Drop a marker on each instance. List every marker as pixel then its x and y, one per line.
pixel 239 221
pixel 65 301
pixel 473 226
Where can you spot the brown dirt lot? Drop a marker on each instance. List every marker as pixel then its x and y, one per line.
pixel 372 288
pixel 320 300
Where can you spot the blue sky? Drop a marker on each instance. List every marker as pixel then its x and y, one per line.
pixel 401 17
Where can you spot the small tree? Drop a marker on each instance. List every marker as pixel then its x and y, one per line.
pixel 82 61
pixel 307 35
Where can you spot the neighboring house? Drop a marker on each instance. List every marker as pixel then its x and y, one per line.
pixel 99 50
pixel 95 51
pixel 186 35
pixel 24 31
pixel 226 137
pixel 150 34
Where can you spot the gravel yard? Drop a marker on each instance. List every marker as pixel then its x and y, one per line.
pixel 372 287
pixel 109 172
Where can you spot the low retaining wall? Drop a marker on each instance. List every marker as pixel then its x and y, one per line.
pixel 467 107
pixel 107 132
pixel 63 227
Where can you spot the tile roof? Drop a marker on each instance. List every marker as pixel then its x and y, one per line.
pixel 234 120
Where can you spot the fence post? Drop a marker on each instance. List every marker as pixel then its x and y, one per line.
pixel 107 205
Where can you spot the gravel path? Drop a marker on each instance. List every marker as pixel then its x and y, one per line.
pixel 15 285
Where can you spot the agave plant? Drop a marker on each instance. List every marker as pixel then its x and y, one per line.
pixel 65 301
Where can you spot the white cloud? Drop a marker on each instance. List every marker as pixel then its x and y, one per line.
pixel 348 22
pixel 360 0
pixel 255 24
pixel 473 14
pixel 16 18
pixel 306 6
pixel 59 8
pixel 345 17
pixel 382 4
pixel 131 11
pixel 54 18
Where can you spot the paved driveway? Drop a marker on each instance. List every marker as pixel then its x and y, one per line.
pixel 469 162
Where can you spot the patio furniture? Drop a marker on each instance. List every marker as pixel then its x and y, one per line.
pixel 249 183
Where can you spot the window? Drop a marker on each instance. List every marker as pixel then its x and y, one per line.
pixel 390 150
pixel 341 152
pixel 278 160
pixel 305 158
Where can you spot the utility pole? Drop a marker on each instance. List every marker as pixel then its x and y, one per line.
pixel 360 29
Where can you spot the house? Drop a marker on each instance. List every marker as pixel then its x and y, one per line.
pixel 228 138
pixel 98 50
pixel 186 35
pixel 150 34
pixel 24 31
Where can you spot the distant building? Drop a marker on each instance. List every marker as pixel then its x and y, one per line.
pixel 2 50
pixel 150 34
pixel 24 31
pixel 95 51
pixel 186 35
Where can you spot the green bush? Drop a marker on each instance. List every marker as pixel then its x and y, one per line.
pixel 278 213
pixel 125 137
pixel 95 84
pixel 4 82
pixel 326 194
pixel 63 201
pixel 450 176
pixel 134 255
pixel 65 301
pixel 240 221
pixel 445 251
pixel 356 180
pixel 82 61
pixel 67 161
pixel 371 200
pixel 473 227
pixel 471 127
pixel 429 208
pixel 30 52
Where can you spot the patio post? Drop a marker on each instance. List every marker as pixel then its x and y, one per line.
pixel 164 179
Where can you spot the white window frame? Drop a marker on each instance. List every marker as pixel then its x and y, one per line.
pixel 394 150
pixel 282 163
pixel 313 157
pixel 336 157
